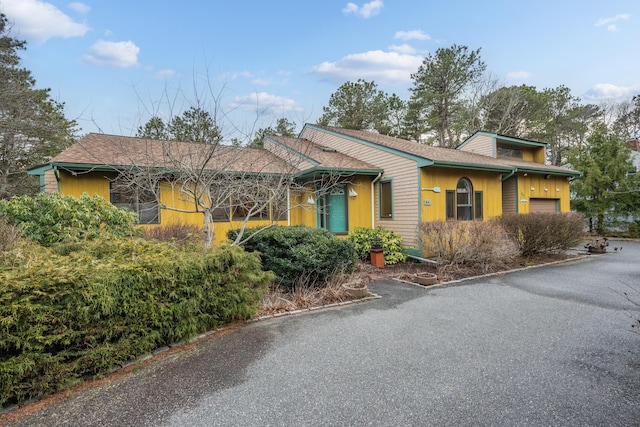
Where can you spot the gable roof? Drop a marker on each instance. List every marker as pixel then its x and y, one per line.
pixel 102 152
pixel 510 140
pixel 445 157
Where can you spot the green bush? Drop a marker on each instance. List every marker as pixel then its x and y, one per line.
pixel 544 232
pixel 75 310
pixel 49 218
pixel 391 243
pixel 634 230
pixel 300 254
pixel 475 244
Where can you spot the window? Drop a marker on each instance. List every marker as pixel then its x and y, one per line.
pixel 142 202
pixel 247 206
pixel 280 207
pixel 386 199
pixel 477 205
pixel 463 203
pixel 511 153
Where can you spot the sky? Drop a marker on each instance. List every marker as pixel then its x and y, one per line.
pixel 116 63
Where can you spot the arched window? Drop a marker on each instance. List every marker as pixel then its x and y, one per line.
pixel 464 204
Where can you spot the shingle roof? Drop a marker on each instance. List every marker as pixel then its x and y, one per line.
pixel 446 156
pixel 326 158
pixel 122 151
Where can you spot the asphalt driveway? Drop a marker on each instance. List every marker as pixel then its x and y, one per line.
pixel 545 346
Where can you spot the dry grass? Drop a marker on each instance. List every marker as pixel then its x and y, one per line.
pixel 9 234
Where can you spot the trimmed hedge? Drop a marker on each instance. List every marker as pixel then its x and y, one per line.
pixel 80 309
pixel 300 255
pixel 544 232
pixel 49 218
pixel 391 243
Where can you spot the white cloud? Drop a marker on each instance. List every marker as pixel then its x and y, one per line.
pixel 377 65
pixel 610 92
pixel 80 8
pixel 164 74
pixel 412 35
pixel 609 21
pixel 39 21
pixel 261 82
pixel 403 48
pixel 113 54
pixel 518 75
pixel 365 11
pixel 265 103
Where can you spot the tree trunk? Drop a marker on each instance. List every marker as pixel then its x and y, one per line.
pixel 207 229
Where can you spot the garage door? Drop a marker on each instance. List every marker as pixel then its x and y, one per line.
pixel 543 205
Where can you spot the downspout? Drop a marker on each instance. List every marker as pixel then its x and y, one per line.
pixel 288 207
pixel 373 200
pixel 513 172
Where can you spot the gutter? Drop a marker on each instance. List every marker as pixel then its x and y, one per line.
pixel 373 200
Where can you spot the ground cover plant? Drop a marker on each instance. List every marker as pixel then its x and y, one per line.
pixel 300 254
pixel 79 309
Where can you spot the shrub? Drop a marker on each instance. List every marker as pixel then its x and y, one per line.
pixel 77 310
pixel 391 243
pixel 544 232
pixel 48 218
pixel 177 232
pixel 634 230
pixel 470 243
pixel 300 253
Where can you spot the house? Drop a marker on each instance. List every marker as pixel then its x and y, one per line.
pixel 341 179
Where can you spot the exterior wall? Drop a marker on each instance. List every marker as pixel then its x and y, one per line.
pixel 92 183
pixel 481 144
pixel 50 181
pixel 556 188
pixel 510 196
pixel 490 183
pixel 97 183
pixel 403 172
pixel 359 207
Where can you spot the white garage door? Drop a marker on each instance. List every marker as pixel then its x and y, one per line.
pixel 543 205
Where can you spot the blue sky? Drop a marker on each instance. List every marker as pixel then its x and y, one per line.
pixel 114 63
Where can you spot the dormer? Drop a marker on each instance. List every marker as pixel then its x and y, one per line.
pixel 504 147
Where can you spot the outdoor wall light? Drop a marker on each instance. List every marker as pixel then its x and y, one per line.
pixel 533 188
pixel 547 176
pixel 311 201
pixel 434 189
pixel 352 193
pixel 546 189
pixel 525 174
pixel 557 189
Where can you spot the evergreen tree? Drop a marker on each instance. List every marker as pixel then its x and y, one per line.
pixel 33 127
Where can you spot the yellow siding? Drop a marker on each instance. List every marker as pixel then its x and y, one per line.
pixel 92 183
pixel 403 172
pixel 537 187
pixel 490 183
pixel 360 205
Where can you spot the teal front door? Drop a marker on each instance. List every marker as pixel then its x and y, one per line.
pixel 332 211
